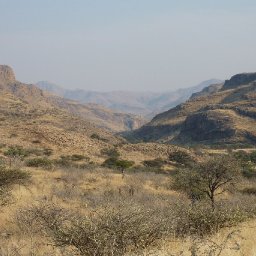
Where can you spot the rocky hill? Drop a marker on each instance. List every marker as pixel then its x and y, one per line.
pixel 224 113
pixel 146 104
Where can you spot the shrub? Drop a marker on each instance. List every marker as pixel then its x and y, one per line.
pixel 16 151
pixel 253 156
pixel 200 220
pixel 36 141
pixel 156 163
pixel 48 151
pixel 181 157
pixel 10 177
pixel 40 162
pixel 242 155
pixel 117 163
pixel 111 153
pixel 97 137
pixel 76 157
pixel 250 191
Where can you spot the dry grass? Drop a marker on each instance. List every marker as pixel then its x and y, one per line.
pixel 91 190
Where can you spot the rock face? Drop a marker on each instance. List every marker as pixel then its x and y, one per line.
pixel 218 114
pixel 6 74
pixel 208 90
pixel 210 125
pixel 239 79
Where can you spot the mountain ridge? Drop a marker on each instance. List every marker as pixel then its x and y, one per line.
pixel 146 104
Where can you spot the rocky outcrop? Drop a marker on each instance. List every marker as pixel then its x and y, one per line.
pixel 209 125
pixel 239 79
pixel 6 74
pixel 207 90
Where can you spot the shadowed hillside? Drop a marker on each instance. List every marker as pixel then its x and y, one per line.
pixel 224 113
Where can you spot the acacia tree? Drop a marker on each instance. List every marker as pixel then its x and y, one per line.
pixel 208 179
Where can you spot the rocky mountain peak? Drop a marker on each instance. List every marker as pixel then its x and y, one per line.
pixel 6 74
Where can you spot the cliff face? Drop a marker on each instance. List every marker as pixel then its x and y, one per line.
pixel 218 114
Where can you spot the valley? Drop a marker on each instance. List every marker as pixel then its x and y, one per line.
pixel 79 179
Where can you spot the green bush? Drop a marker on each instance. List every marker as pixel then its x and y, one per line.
pixel 16 151
pixel 117 163
pixel 40 162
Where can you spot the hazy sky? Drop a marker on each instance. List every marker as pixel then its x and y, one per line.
pixel 148 45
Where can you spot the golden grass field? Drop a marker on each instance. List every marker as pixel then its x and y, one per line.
pixel 89 189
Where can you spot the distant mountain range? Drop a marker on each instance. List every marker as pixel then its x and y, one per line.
pixel 146 104
pixel 220 114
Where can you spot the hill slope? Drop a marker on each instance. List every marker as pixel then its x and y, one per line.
pixel 224 113
pixel 37 120
pixel 99 115
pixel 31 118
pixel 146 104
